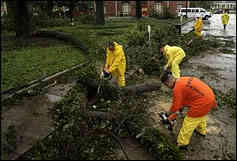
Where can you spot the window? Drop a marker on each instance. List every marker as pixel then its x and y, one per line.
pixel 179 4
pixel 183 10
pixel 125 8
pixel 158 7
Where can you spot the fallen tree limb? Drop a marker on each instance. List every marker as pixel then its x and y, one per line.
pixel 11 92
pixel 136 89
pixel 62 36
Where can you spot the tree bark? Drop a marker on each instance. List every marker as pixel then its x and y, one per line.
pixel 100 20
pixel 137 89
pixel 23 18
pixel 62 36
pixel 50 8
pixel 138 10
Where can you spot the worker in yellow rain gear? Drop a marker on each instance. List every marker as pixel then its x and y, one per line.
pixel 116 62
pixel 225 18
pixel 174 57
pixel 198 27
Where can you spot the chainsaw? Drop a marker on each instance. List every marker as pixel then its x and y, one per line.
pixel 168 123
pixel 103 76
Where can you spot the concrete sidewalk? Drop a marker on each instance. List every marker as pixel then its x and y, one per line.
pixel 29 121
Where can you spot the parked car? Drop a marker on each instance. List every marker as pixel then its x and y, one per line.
pixel 194 12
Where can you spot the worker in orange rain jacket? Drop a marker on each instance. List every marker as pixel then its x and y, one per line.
pixel 225 18
pixel 116 62
pixel 198 97
pixel 198 27
pixel 174 56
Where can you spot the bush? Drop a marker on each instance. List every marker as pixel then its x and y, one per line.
pixel 85 19
pixel 7 23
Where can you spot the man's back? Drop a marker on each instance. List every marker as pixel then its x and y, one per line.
pixel 195 94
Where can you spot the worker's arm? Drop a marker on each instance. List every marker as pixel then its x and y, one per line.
pixel 116 62
pixel 177 101
pixel 170 59
pixel 107 59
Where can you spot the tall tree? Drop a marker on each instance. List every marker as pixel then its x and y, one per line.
pixel 11 10
pixel 100 19
pixel 23 18
pixel 50 8
pixel 138 9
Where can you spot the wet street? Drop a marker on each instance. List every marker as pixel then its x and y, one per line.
pixel 222 60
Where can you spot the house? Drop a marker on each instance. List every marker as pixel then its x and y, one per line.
pixel 128 8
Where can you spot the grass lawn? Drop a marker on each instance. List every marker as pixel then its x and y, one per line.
pixel 22 66
pixel 27 60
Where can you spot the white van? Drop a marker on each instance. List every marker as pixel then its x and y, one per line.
pixel 194 12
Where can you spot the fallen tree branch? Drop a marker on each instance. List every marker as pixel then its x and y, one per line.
pixel 11 92
pixel 136 89
pixel 62 36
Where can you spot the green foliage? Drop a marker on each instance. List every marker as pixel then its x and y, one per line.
pixel 22 66
pixel 166 13
pixel 226 99
pixel 9 139
pixel 159 146
pixel 85 19
pixel 75 136
pixel 7 24
pixel 44 22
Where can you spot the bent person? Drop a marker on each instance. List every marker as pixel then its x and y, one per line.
pixel 116 62
pixel 198 97
pixel 174 55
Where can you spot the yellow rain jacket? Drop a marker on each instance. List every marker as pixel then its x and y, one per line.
pixel 116 63
pixel 225 19
pixel 174 56
pixel 198 27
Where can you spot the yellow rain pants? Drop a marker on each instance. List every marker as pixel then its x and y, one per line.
pixel 174 55
pixel 198 27
pixel 189 125
pixel 225 18
pixel 116 63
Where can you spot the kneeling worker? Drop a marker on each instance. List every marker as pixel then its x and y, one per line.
pixel 198 97
pixel 116 62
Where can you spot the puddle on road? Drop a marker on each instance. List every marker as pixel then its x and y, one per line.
pixel 217 69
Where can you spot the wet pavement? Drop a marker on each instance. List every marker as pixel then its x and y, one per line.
pixel 222 60
pixel 213 26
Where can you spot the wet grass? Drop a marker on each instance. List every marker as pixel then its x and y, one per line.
pixel 27 64
pixel 227 99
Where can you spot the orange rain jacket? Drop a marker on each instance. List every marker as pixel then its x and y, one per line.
pixel 194 94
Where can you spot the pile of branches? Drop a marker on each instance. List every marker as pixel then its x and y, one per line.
pixel 147 54
pixel 85 131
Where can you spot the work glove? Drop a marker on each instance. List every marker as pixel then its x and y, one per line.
pixel 107 75
pixel 165 68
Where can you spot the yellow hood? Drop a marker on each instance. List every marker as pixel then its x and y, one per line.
pixel 166 49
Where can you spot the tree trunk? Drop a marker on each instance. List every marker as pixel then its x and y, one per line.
pixel 50 8
pixel 138 10
pixel 100 20
pixel 23 18
pixel 137 89
pixel 62 36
